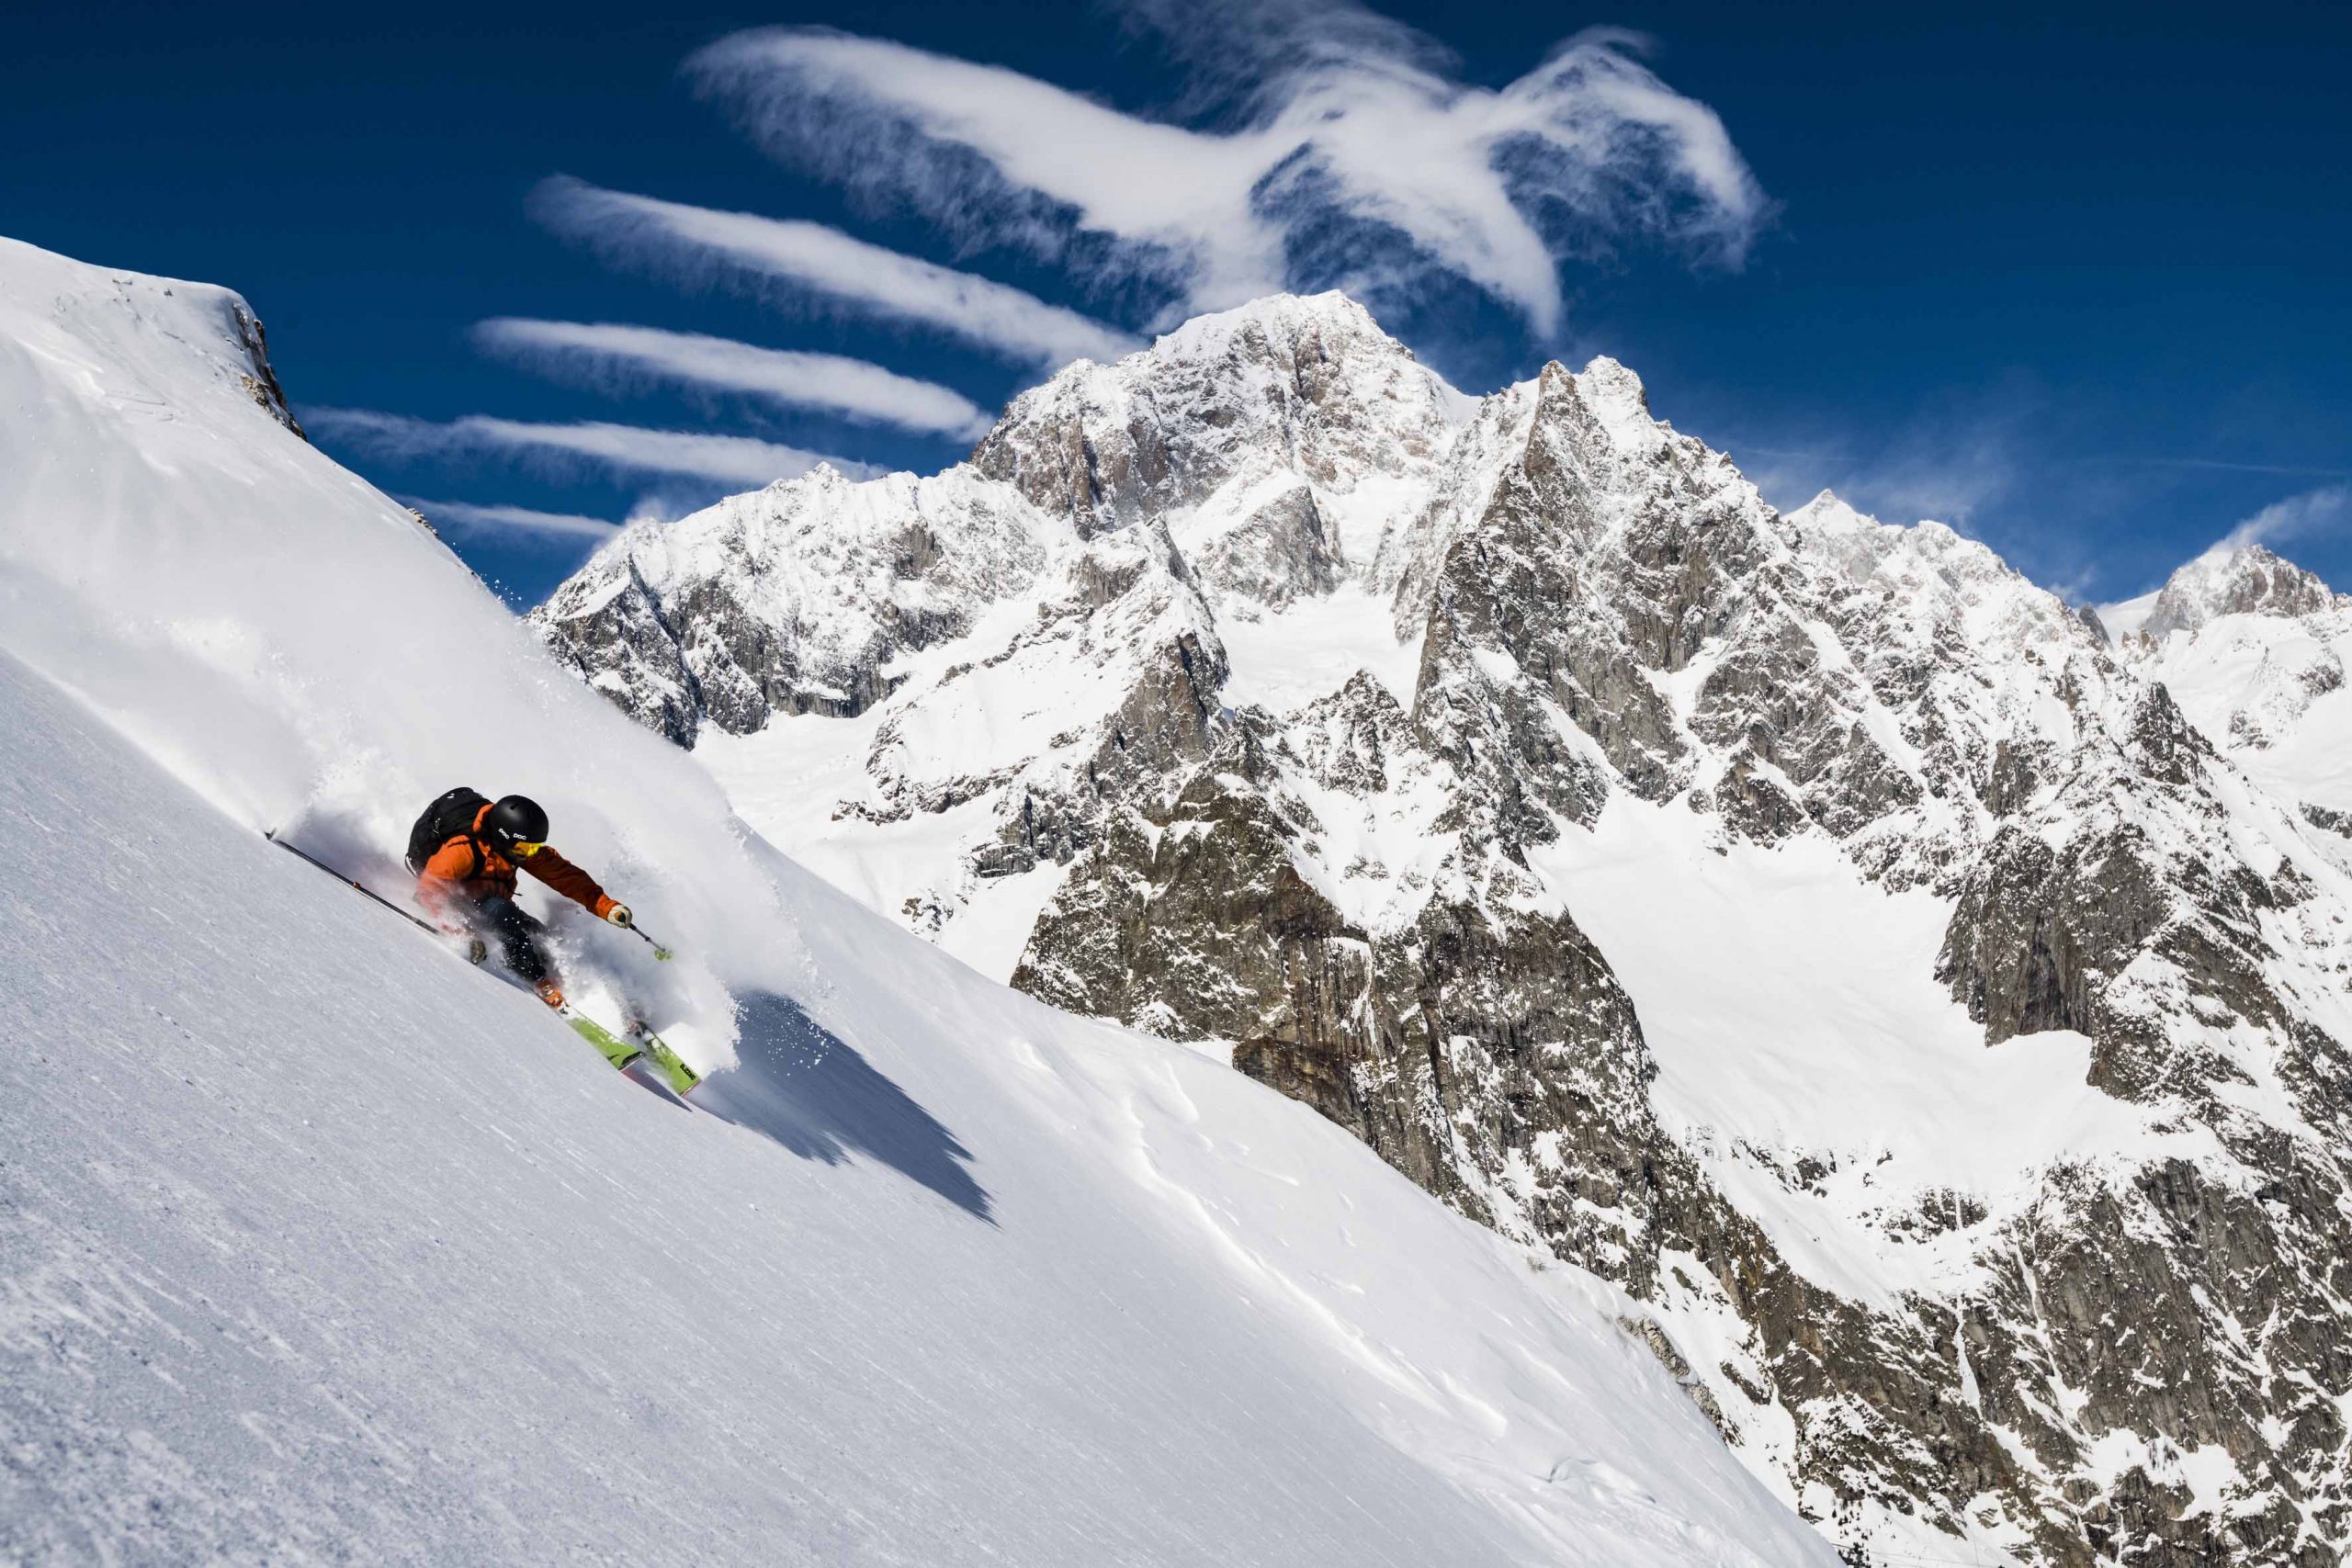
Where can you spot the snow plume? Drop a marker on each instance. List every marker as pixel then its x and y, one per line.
pixel 468 518
pixel 2287 519
pixel 617 359
pixel 571 448
pixel 1343 149
pixel 796 262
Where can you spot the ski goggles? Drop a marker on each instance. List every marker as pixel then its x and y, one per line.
pixel 524 850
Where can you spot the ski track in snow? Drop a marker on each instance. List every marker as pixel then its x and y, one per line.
pixel 316 1243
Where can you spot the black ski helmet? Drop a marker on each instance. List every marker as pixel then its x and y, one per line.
pixel 516 819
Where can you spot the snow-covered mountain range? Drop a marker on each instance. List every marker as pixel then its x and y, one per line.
pixel 1934 1016
pixel 317 1245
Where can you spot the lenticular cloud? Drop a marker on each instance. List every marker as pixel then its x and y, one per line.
pixel 615 355
pixel 468 518
pixel 1343 150
pixel 793 258
pixel 588 445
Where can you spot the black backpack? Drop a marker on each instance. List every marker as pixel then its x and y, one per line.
pixel 443 820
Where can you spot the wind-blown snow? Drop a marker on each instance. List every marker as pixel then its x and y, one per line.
pixel 320 1245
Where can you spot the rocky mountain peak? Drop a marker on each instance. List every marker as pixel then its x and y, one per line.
pixel 1617 399
pixel 1311 385
pixel 2247 579
pixel 1276 319
pixel 1253 688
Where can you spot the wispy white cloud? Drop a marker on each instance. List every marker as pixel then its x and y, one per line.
pixel 2295 515
pixel 1350 152
pixel 2223 465
pixel 808 261
pixel 1953 480
pixel 612 356
pixel 615 448
pixel 468 518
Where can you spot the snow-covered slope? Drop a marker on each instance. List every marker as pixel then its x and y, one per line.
pixel 1806 921
pixel 318 1244
pixel 2253 649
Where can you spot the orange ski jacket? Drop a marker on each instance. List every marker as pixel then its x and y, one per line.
pixel 465 869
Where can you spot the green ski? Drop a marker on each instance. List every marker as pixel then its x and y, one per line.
pixel 683 1078
pixel 617 1050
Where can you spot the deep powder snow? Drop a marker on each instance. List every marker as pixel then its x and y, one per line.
pixel 316 1243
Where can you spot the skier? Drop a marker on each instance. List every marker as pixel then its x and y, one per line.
pixel 466 849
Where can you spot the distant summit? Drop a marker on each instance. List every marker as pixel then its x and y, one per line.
pixel 2244 579
pixel 2248 581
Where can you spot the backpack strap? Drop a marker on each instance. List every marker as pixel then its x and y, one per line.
pixel 480 851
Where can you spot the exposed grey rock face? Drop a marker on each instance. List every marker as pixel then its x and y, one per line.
pixel 790 600
pixel 1276 553
pixel 261 383
pixel 1296 691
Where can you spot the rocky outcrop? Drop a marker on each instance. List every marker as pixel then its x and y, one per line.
pixel 261 382
pixel 794 599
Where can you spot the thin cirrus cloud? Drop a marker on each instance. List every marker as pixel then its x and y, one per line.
pixel 1351 153
pixel 613 356
pixel 475 519
pixel 1953 479
pixel 568 448
pixel 2295 515
pixel 810 260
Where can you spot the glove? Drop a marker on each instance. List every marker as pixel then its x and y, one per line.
pixel 619 914
pixel 477 950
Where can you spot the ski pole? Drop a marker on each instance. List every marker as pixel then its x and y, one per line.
pixel 660 954
pixel 271 834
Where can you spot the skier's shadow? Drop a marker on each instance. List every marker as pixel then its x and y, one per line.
pixel 805 1087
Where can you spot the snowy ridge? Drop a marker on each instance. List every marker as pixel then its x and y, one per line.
pixel 322 1242
pixel 2253 649
pixel 2244 579
pixel 799 597
pixel 1694 890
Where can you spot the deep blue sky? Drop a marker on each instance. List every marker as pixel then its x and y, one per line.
pixel 2075 278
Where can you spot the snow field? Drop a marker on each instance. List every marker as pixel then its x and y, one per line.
pixel 316 1243
pixel 1793 1008
pixel 321 1238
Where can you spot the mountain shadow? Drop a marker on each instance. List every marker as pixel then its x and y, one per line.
pixel 805 1087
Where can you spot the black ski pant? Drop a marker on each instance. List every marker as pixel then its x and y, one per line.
pixel 523 940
